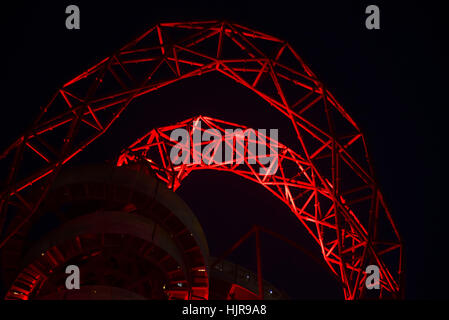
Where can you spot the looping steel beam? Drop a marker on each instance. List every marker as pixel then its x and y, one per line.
pixel 98 97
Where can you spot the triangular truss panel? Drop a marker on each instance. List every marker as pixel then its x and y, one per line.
pixel 335 195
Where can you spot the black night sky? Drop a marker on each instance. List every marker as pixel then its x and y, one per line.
pixel 387 79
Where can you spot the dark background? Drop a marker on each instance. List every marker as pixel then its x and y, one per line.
pixel 389 80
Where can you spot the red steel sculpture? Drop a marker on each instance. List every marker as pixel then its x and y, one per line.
pixel 326 179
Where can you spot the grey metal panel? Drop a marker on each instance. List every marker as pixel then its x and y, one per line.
pixel 144 183
pixel 109 222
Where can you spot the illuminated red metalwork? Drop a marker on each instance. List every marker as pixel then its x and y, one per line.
pixel 334 195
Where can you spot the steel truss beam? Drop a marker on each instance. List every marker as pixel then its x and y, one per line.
pixel 353 230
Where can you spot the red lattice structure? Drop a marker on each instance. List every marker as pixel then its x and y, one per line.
pixel 328 181
pixel 156 147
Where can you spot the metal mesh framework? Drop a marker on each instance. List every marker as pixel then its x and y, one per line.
pixel 334 193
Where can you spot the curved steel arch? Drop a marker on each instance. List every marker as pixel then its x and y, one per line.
pixel 329 139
